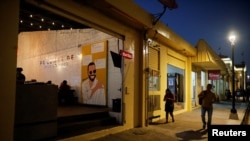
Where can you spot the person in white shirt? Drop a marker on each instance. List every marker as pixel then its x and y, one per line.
pixel 93 91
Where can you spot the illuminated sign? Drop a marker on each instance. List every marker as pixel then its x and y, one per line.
pixel 213 74
pixel 125 54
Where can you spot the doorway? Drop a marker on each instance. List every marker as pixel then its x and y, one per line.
pixel 175 82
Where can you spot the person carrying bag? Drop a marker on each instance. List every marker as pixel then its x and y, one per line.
pixel 208 98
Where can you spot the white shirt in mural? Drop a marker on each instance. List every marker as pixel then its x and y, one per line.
pixel 91 96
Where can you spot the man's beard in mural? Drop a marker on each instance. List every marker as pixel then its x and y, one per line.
pixel 92 77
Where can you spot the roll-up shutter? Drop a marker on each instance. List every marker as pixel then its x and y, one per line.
pixel 176 62
pixel 154 58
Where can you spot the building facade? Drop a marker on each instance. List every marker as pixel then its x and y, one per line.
pixel 160 59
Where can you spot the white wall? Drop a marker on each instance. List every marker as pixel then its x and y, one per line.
pixel 56 56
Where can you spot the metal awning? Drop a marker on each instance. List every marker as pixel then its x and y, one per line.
pixel 207 59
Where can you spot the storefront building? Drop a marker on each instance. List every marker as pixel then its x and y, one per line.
pixel 209 68
pixel 155 58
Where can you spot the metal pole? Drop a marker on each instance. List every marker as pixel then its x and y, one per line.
pixel 233 110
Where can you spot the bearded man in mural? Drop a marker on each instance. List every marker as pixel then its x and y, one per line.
pixel 93 91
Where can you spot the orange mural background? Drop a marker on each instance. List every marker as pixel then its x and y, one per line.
pixel 96 52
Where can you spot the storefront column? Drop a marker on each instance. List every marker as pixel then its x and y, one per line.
pixel 9 31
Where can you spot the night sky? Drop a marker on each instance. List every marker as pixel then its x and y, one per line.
pixel 211 20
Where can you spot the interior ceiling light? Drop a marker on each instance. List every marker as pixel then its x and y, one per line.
pixel 33 18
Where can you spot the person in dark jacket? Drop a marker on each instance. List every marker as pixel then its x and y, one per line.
pixel 20 77
pixel 228 94
pixel 64 92
pixel 208 98
pixel 169 104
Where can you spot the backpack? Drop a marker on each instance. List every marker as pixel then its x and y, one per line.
pixel 200 99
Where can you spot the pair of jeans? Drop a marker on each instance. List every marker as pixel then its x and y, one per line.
pixel 209 115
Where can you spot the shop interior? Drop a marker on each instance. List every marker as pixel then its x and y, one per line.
pixel 52 49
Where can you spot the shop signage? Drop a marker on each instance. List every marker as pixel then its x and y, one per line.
pixel 213 74
pixel 126 54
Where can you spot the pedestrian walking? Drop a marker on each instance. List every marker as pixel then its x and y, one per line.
pixel 208 98
pixel 169 104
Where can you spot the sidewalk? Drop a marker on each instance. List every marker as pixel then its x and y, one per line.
pixel 187 126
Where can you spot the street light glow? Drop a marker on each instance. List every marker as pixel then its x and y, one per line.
pixel 232 39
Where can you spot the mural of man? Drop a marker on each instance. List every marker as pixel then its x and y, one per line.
pixel 93 91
